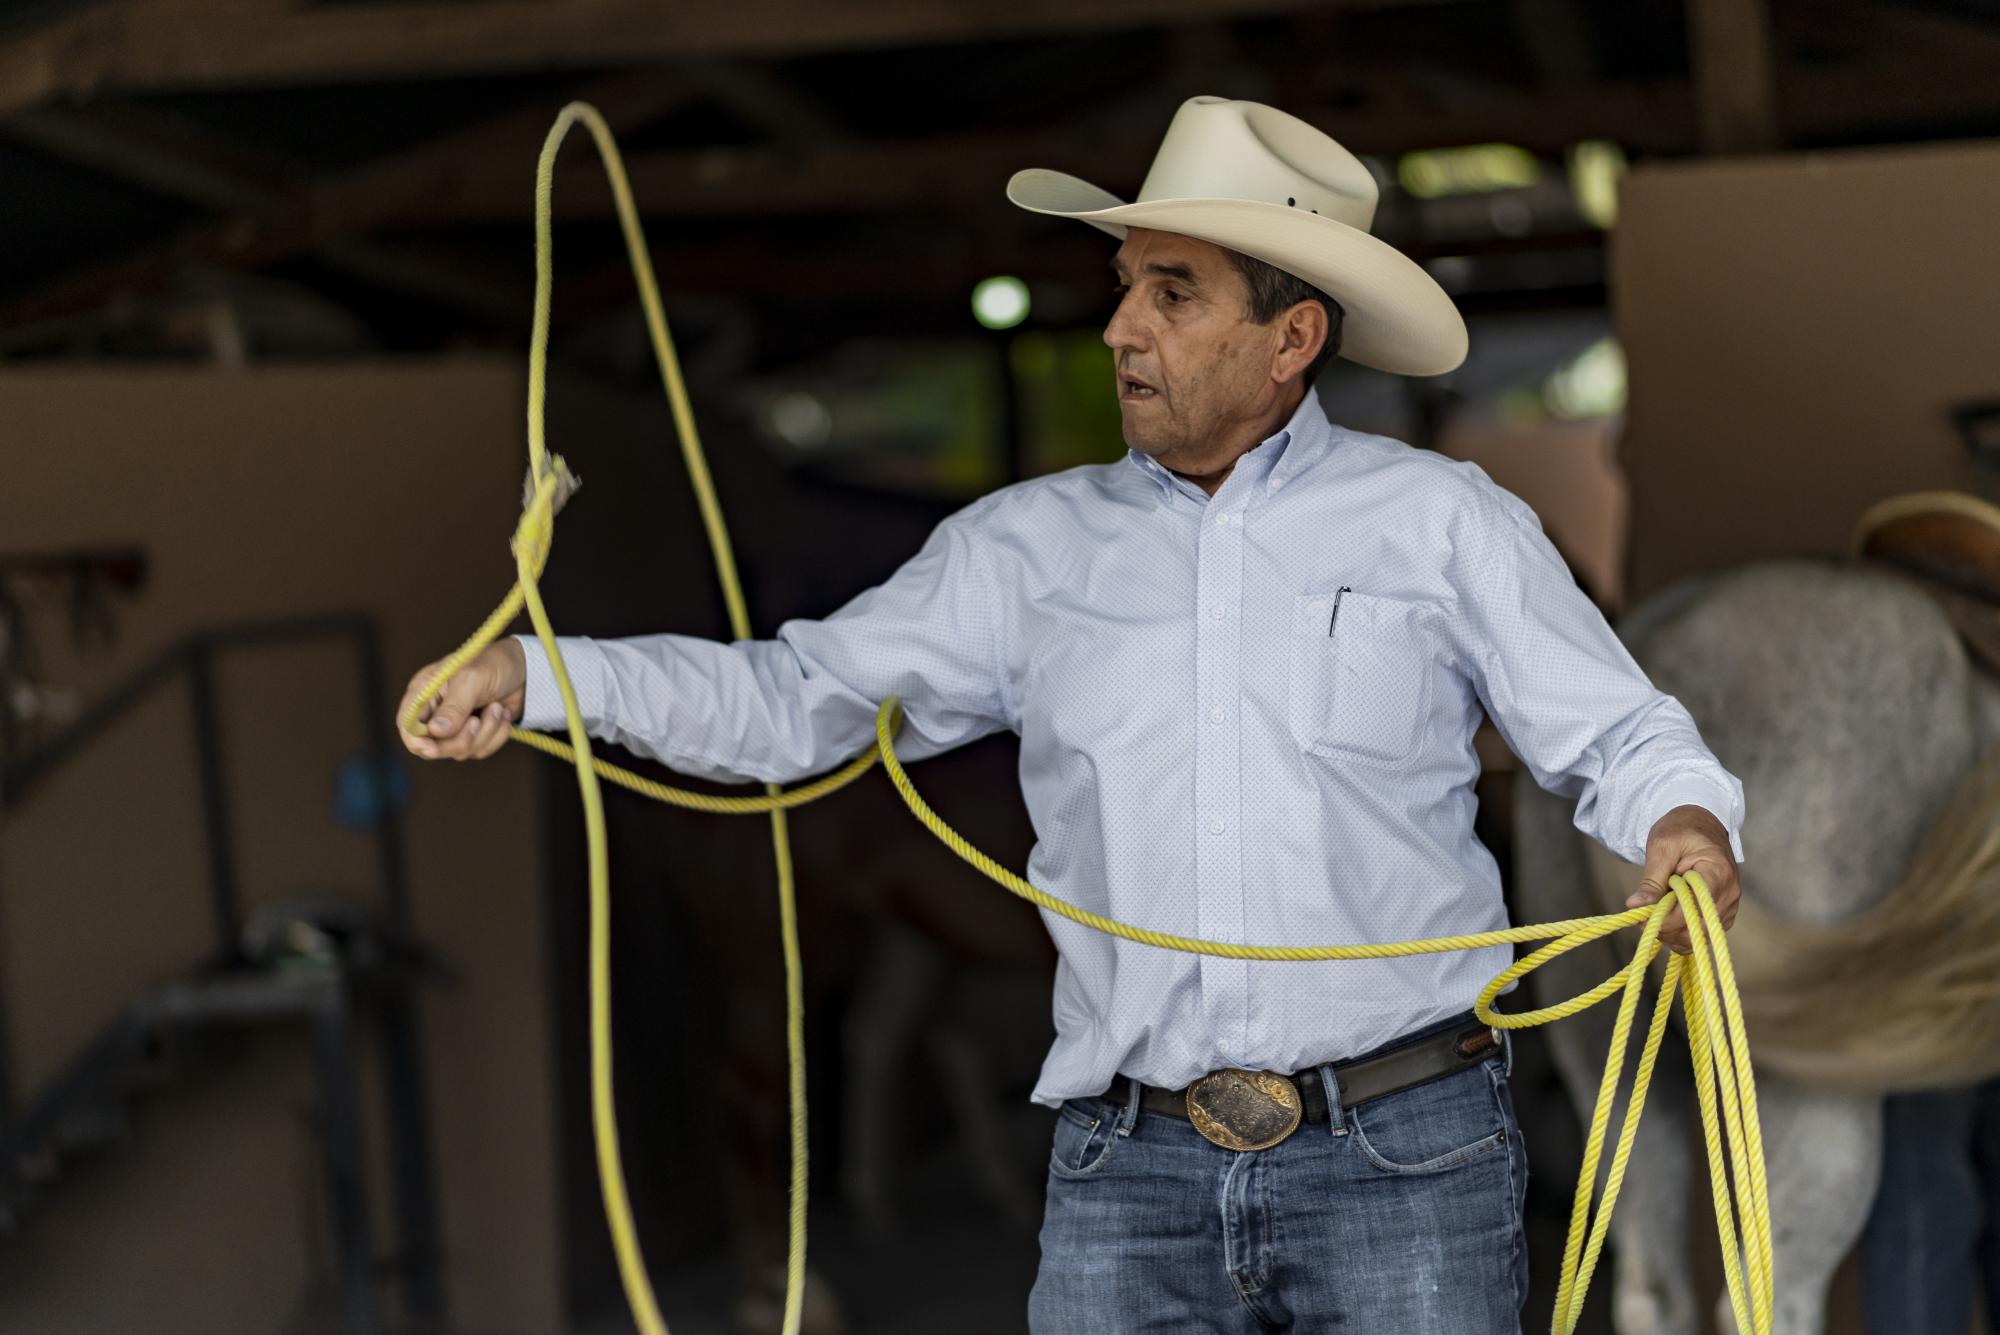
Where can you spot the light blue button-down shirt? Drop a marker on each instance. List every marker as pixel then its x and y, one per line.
pixel 1246 717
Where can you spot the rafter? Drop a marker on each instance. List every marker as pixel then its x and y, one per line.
pixel 1729 43
pixel 481 175
pixel 271 216
pixel 133 45
pixel 1556 35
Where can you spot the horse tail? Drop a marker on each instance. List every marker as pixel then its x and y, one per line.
pixel 1905 995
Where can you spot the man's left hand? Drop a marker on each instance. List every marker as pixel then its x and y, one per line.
pixel 1688 838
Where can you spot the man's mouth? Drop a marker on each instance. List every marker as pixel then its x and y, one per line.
pixel 1131 389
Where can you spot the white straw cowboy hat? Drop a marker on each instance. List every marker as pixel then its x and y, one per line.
pixel 1253 179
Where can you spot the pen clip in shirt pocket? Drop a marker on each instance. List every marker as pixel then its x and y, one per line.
pixel 1361 677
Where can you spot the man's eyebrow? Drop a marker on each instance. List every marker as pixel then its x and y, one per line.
pixel 1179 273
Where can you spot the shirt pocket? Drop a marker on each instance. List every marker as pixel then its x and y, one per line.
pixel 1363 691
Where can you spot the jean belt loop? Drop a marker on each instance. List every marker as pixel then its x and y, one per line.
pixel 1129 1114
pixel 1507 1042
pixel 1336 1120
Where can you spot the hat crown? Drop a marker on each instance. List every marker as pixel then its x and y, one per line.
pixel 1220 148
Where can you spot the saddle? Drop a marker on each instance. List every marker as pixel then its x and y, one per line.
pixel 1949 543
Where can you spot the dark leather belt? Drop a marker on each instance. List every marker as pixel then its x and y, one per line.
pixel 1252 1110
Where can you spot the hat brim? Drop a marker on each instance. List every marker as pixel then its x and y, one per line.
pixel 1396 316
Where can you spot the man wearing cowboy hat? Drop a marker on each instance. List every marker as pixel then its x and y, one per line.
pixel 1246 662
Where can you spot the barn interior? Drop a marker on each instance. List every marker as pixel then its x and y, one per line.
pixel 294 1028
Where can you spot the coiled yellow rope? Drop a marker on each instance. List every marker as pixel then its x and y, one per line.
pixel 1714 1016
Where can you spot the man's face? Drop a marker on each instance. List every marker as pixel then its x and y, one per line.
pixel 1193 370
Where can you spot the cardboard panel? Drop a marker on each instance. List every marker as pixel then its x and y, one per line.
pixel 1797 329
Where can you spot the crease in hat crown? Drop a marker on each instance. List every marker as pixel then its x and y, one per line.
pixel 1216 148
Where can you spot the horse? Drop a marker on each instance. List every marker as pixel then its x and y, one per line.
pixel 1863 730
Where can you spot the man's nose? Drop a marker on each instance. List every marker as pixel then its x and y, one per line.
pixel 1125 329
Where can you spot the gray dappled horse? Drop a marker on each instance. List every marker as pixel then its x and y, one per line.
pixel 1844 700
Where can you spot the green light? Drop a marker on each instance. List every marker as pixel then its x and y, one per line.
pixel 1474 169
pixel 1591 386
pixel 1000 303
pixel 1594 168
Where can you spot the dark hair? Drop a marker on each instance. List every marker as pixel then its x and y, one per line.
pixel 1273 292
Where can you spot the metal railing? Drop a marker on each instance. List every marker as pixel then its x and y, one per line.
pixel 229 987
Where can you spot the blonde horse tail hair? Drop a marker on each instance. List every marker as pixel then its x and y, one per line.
pixel 1903 996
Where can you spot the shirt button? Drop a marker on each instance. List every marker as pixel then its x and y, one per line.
pixel 1216 715
pixel 1215 825
pixel 1215 612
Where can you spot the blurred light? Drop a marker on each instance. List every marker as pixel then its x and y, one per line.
pixel 1591 386
pixel 1431 173
pixel 1594 168
pixel 1452 272
pixel 1000 303
pixel 801 420
pixel 1510 216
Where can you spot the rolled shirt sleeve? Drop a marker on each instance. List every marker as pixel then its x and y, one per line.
pixel 1569 698
pixel 804 701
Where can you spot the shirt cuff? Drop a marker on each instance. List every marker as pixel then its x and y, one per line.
pixel 1723 801
pixel 542 706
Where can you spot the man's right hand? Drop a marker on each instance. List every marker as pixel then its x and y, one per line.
pixel 469 719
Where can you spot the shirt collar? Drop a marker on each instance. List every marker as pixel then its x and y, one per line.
pixel 1276 459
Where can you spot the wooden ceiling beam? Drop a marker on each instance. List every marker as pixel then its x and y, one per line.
pixel 959 171
pixel 1556 36
pixel 1948 46
pixel 155 45
pixel 1729 47
pixel 484 174
pixel 171 157
pixel 332 219
pixel 158 152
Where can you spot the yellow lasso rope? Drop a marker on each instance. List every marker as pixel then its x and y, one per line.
pixel 1714 1015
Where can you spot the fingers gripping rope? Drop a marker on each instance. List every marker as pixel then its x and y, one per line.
pixel 1703 980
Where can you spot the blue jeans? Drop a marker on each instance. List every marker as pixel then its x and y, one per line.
pixel 1399 1217
pixel 1931 1241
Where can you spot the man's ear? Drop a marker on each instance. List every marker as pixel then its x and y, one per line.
pixel 1303 330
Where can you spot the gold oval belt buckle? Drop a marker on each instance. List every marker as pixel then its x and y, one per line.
pixel 1244 1110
